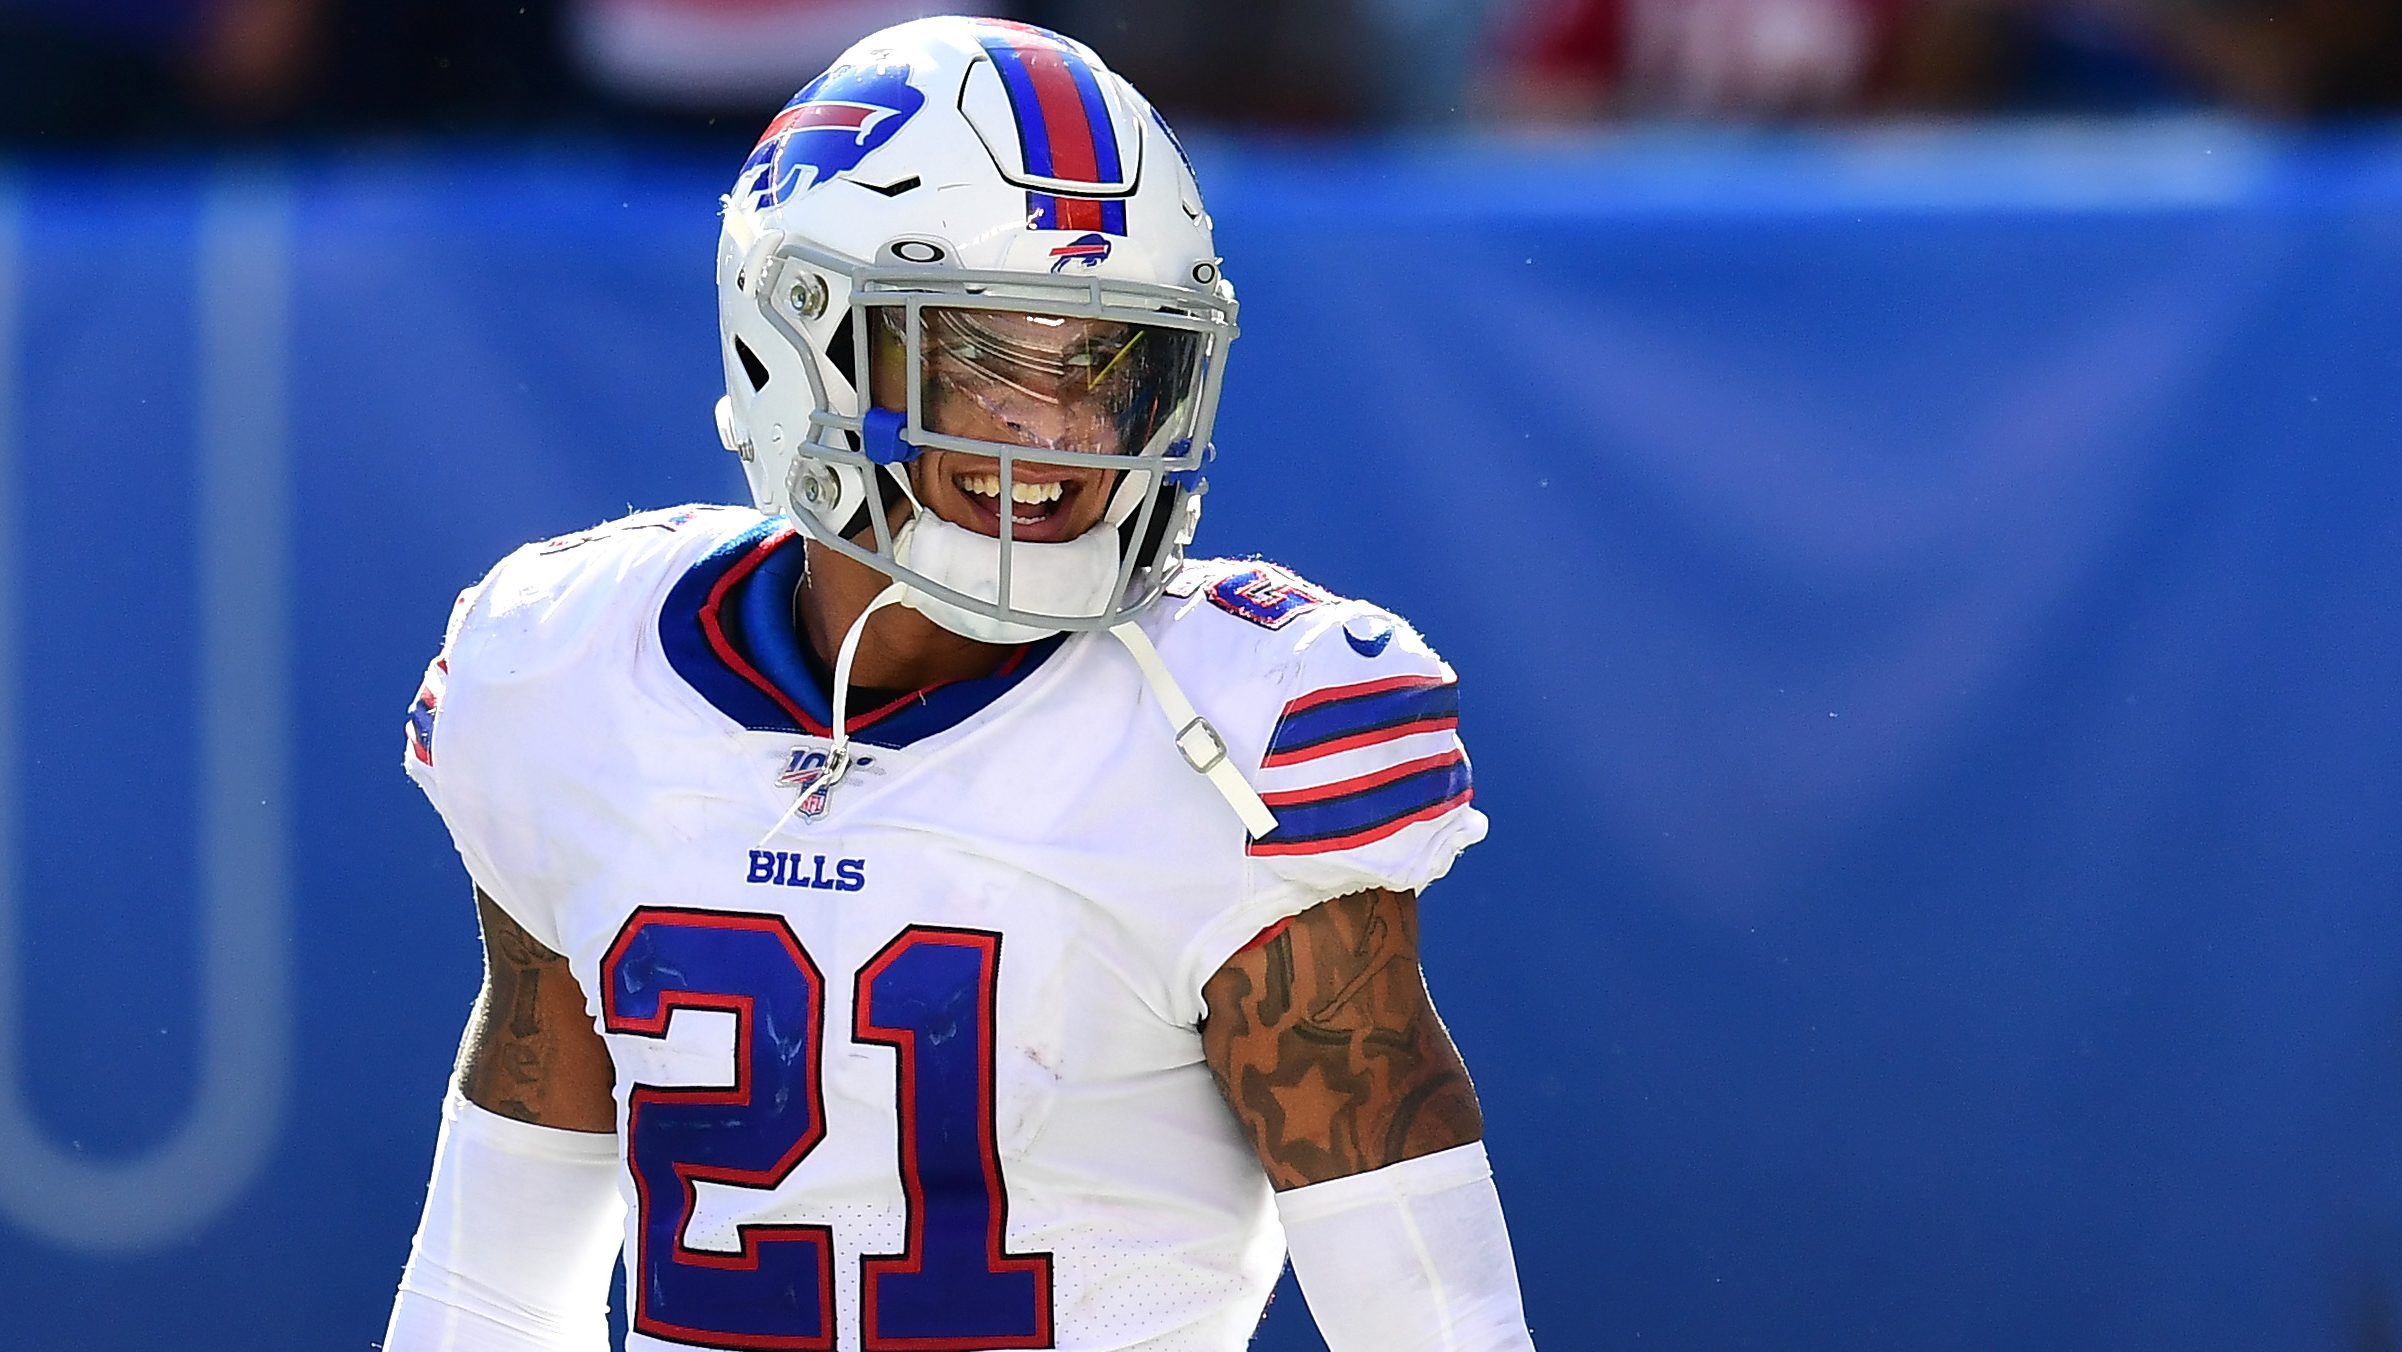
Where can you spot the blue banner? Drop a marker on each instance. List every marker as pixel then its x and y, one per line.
pixel 1929 609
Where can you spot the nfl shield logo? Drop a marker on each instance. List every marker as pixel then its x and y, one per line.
pixel 813 799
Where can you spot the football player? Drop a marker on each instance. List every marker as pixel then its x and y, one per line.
pixel 929 911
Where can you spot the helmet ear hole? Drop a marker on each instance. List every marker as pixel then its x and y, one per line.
pixel 752 367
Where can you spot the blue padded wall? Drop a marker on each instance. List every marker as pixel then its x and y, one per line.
pixel 1930 616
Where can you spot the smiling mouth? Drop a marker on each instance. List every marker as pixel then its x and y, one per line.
pixel 1037 511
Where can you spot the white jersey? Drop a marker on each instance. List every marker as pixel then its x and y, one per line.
pixel 915 1063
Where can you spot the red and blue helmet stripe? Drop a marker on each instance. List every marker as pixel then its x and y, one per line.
pixel 1064 128
pixel 1046 211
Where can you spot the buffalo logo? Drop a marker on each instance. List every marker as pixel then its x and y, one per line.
pixel 1088 249
pixel 841 118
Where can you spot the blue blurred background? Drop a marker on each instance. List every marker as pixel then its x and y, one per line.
pixel 1928 594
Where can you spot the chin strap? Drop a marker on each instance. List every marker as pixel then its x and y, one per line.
pixel 1203 748
pixel 838 756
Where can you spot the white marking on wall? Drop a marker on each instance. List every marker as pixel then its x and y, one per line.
pixel 243 1036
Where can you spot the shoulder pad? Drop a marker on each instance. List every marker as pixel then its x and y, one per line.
pixel 543 604
pixel 1288 619
pixel 1349 722
pixel 505 673
pixel 1310 683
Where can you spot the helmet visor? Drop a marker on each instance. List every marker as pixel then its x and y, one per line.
pixel 1042 382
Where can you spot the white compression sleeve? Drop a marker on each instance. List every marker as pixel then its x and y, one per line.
pixel 1412 1257
pixel 520 1235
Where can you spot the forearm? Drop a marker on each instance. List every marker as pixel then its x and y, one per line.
pixel 523 1219
pixel 1412 1257
pixel 520 1233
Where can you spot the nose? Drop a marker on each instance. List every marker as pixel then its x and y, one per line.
pixel 1025 418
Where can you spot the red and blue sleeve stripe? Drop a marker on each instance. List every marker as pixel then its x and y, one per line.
pixel 1345 717
pixel 422 712
pixel 1063 123
pixel 1366 809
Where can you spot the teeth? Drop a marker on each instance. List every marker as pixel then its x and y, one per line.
pixel 1031 495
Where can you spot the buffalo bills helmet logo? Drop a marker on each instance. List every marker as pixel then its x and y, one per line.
pixel 841 118
pixel 1089 250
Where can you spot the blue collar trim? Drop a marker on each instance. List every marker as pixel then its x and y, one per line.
pixel 728 631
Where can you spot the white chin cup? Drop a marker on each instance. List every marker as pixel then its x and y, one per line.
pixel 1076 579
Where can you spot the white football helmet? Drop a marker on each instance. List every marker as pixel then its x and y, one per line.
pixel 942 182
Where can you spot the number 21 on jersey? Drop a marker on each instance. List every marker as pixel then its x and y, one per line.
pixel 929 995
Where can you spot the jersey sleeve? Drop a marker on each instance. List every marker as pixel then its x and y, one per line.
pixel 454 747
pixel 1345 720
pixel 1363 766
pixel 500 736
pixel 434 754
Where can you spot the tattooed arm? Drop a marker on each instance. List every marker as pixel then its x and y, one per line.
pixel 530 1051
pixel 522 1220
pixel 1329 1050
pixel 1327 1046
